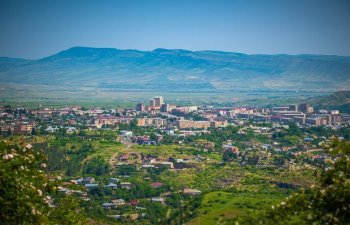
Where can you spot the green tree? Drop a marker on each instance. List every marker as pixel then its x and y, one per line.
pixel 96 166
pixel 229 156
pixel 67 212
pixel 22 185
pixel 327 202
pixel 25 190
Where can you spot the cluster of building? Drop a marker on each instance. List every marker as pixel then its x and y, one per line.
pixel 161 115
pixel 155 106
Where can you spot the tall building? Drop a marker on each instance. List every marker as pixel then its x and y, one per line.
pixel 305 108
pixel 164 108
pixel 152 103
pixel 158 101
pixel 140 107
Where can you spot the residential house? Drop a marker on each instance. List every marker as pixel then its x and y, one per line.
pixel 126 185
pixel 191 192
pixel 158 199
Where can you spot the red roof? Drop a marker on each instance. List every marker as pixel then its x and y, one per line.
pixel 134 202
pixel 157 184
pixel 124 157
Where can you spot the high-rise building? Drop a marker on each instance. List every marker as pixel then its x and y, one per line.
pixel 140 107
pixel 305 108
pixel 152 103
pixel 164 107
pixel 158 101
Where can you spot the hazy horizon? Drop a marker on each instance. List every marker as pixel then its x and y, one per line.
pixel 38 29
pixel 173 49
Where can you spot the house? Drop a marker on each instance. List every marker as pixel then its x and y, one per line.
pixel 118 202
pixel 71 130
pixel 126 133
pixel 230 148
pixel 86 180
pixel 156 184
pixel 308 139
pixel 158 199
pixel 126 185
pixel 266 146
pixel 191 192
pixel 91 186
pixel 168 165
pixel 140 139
pixel 147 166
pixel 103 120
pixel 134 202
pixel 114 180
pixel 108 205
pixel 112 186
pixel 124 157
pixel 116 217
pixel 51 129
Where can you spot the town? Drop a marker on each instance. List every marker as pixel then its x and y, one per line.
pixel 168 118
pixel 129 164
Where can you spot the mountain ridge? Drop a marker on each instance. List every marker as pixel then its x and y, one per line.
pixel 173 69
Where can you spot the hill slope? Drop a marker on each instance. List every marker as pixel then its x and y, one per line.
pixel 181 70
pixel 339 100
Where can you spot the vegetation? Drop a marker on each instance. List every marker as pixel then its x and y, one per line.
pixel 327 202
pixel 25 189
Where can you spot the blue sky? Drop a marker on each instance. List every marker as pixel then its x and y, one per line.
pixel 38 28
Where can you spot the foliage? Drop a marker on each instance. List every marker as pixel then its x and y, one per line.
pixel 22 185
pixel 25 190
pixel 327 202
pixel 229 156
pixel 96 166
pixel 67 212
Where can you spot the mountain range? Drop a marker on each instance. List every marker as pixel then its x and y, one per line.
pixel 179 70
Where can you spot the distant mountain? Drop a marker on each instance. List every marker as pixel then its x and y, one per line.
pixel 179 70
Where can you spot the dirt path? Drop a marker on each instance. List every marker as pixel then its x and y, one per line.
pixel 112 160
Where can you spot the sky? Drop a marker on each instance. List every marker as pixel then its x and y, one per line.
pixel 38 28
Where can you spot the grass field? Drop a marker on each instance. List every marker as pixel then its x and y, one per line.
pixel 220 207
pixel 26 95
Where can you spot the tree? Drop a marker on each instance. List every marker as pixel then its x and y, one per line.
pixel 24 190
pixel 96 166
pixel 22 185
pixel 229 156
pixel 327 202
pixel 67 212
